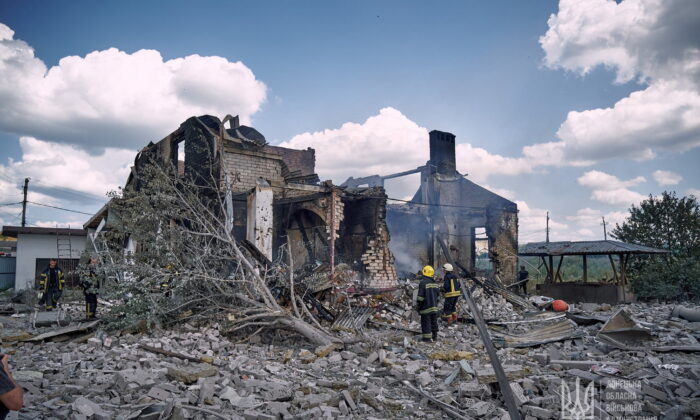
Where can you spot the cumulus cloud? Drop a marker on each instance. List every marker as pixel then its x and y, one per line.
pixel 61 173
pixel 610 189
pixel 587 223
pixel 664 178
pixel 111 98
pixel 390 142
pixel 653 42
pixel 532 225
pixel 58 165
pixel 602 181
pixel 385 143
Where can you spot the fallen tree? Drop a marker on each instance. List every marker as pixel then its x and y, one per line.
pixel 183 262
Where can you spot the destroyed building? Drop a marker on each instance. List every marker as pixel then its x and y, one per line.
pixel 277 197
pixel 477 226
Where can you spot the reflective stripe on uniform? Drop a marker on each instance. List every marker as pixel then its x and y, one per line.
pixel 430 310
pixel 453 292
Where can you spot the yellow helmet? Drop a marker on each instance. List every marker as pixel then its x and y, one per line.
pixel 428 271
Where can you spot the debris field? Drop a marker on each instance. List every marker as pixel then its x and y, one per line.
pixel 195 372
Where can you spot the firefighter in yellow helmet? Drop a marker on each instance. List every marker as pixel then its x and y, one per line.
pixel 427 302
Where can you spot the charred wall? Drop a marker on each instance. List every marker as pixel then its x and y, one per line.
pixel 364 237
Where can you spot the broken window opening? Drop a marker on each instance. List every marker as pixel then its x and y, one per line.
pixel 180 154
pixel 481 246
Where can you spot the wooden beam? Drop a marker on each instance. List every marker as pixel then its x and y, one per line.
pixel 612 264
pixel 585 269
pixel 558 275
pixel 551 269
pixel 623 270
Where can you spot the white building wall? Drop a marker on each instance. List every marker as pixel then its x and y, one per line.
pixel 33 246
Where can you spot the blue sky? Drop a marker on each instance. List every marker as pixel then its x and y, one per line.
pixel 602 100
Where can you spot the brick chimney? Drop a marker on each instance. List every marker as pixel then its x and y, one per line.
pixel 442 152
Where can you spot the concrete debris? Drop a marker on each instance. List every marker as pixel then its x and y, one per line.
pixel 197 373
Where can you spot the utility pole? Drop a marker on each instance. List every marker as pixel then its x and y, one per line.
pixel 605 231
pixel 24 202
pixel 547 229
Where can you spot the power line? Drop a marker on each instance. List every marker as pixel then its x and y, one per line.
pixel 69 191
pixel 60 208
pixel 9 204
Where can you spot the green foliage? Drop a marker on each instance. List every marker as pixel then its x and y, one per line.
pixel 667 222
pixel 599 269
pixel 184 260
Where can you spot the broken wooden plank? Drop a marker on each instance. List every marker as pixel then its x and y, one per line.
pixel 65 331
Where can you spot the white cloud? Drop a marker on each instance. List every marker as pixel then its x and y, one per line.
pixel 65 166
pixel 587 223
pixel 599 180
pixel 618 197
pixel 585 216
pixel 480 164
pixel 664 178
pixel 114 99
pixel 652 41
pixel 385 143
pixel 610 189
pixel 60 174
pixel 532 224
pixel 389 142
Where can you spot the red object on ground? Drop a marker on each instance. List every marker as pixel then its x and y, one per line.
pixel 559 306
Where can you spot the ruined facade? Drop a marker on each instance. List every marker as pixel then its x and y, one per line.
pixel 278 198
pixel 479 228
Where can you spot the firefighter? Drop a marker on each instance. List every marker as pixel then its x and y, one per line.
pixel 427 304
pixel 90 282
pixel 51 285
pixel 452 290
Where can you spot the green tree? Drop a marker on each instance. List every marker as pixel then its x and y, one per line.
pixel 672 223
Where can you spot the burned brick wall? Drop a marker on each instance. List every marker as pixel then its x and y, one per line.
pixel 245 167
pixel 456 210
pixel 503 239
pixel 410 237
pixel 364 240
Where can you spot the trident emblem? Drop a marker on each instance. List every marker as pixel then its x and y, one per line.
pixel 582 405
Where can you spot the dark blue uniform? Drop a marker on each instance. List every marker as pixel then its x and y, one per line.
pixel 452 290
pixel 427 307
pixel 51 284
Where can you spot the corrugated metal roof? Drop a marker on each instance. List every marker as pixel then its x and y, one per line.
pixel 352 318
pixel 586 248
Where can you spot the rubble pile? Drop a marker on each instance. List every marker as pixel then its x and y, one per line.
pixel 195 372
pixel 494 306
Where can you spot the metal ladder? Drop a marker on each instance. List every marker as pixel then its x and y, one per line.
pixel 64 247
